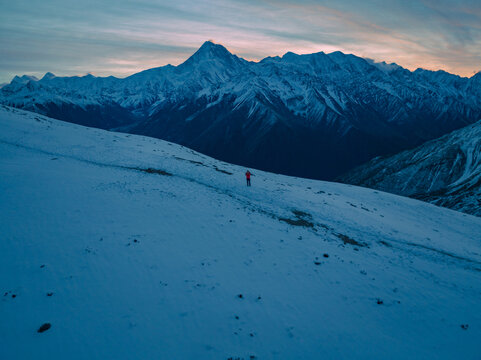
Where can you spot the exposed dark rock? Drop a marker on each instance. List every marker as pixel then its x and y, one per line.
pixel 347 240
pixel 156 171
pixel 44 327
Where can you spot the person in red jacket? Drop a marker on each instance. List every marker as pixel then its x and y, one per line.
pixel 248 178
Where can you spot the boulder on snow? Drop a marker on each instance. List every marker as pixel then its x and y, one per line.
pixel 44 327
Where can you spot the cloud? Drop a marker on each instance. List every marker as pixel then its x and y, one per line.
pixel 121 37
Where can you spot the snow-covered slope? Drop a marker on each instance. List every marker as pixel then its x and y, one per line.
pixel 136 248
pixel 334 111
pixel 446 171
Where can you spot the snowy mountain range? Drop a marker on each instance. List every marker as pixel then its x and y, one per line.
pixel 313 116
pixel 445 171
pixel 119 246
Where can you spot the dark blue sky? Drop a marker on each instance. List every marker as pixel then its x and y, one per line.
pixel 120 37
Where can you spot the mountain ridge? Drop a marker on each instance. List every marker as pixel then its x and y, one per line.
pixel 444 171
pixel 334 110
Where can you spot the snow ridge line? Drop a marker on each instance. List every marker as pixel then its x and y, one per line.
pixel 151 170
pixel 437 251
pixel 125 167
pixel 244 201
pixel 328 234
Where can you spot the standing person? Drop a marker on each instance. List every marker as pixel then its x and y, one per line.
pixel 248 178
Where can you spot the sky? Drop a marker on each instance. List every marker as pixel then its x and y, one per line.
pixel 121 37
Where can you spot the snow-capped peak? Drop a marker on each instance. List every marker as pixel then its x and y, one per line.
pixel 48 76
pixel 290 55
pixel 24 79
pixel 477 77
pixel 384 66
pixel 209 51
